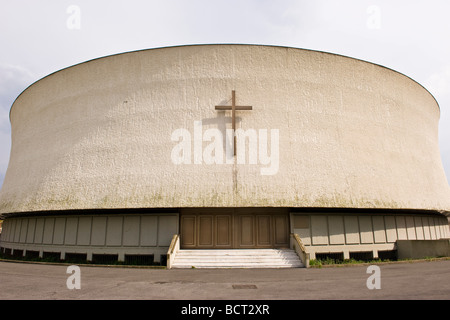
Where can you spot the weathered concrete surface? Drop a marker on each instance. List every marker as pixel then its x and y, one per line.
pixel 423 280
pixel 419 249
pixel 98 134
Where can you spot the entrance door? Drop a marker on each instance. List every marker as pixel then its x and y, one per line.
pixel 206 229
pixel 234 228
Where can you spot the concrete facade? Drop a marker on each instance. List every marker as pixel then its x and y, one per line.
pixel 101 135
pixel 142 234
pixel 118 234
pixel 419 249
pixel 98 135
pixel 372 232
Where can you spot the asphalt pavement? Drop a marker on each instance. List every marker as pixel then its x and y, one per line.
pixel 416 280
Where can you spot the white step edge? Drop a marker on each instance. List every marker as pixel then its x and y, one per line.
pixel 237 258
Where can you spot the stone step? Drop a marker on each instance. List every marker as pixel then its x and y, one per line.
pixel 237 252
pixel 237 258
pixel 234 258
pixel 237 265
pixel 240 266
pixel 276 256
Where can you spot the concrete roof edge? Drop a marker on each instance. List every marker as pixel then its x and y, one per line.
pixel 221 44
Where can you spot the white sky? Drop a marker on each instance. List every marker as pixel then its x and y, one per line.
pixel 412 37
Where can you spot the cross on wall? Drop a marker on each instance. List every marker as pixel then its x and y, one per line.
pixel 233 109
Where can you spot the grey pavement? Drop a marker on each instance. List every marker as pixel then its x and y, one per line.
pixel 417 280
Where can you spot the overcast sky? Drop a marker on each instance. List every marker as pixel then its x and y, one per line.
pixel 38 37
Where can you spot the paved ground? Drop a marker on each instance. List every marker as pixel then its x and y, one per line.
pixel 418 280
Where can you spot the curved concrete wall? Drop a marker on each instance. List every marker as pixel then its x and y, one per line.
pixel 346 233
pixel 100 134
pixel 130 233
pixel 133 233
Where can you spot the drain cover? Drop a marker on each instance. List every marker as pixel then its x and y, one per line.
pixel 244 286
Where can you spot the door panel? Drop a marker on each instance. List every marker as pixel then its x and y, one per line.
pixel 223 231
pixel 246 231
pixel 188 230
pixel 205 231
pixel 263 237
pixel 281 231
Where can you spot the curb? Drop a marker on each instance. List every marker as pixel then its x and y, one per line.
pixel 83 264
pixel 377 263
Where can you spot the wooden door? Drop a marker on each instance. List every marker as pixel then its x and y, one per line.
pixel 253 231
pixel 280 231
pixel 206 231
pixel 244 230
pixel 188 232
pixel 223 231
pixel 234 228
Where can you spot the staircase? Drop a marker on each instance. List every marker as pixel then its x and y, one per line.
pixel 237 258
